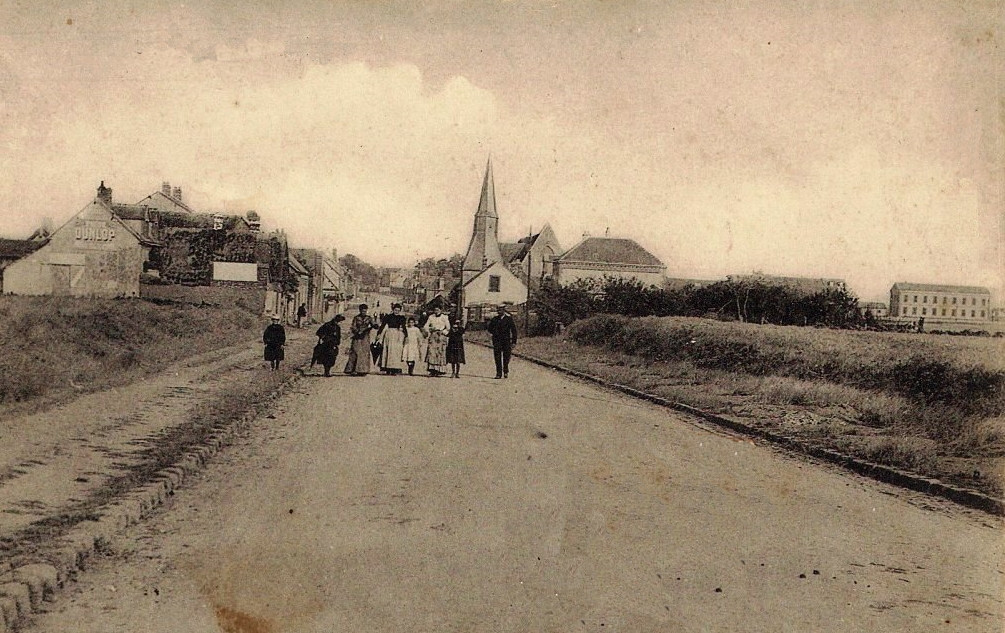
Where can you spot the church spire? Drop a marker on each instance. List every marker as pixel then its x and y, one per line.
pixel 487 203
pixel 483 250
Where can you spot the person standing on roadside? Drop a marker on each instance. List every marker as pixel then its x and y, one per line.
pixel 274 338
pixel 301 314
pixel 359 350
pixel 392 337
pixel 437 328
pixel 503 331
pixel 411 351
pixel 455 348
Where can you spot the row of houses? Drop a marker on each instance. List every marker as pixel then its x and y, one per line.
pixel 496 273
pixel 159 246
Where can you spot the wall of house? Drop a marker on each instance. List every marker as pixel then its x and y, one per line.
pixel 247 296
pixel 942 305
pixel 511 289
pixel 570 273
pixel 93 255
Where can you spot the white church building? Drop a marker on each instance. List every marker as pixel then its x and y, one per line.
pixel 486 280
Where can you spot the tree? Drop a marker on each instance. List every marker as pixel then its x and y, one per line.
pixel 366 275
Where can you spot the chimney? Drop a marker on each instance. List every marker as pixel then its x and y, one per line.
pixel 166 188
pixel 104 194
pixel 177 194
pixel 254 222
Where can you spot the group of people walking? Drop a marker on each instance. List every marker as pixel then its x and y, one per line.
pixel 399 344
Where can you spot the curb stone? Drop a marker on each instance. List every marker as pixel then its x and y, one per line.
pixel 880 472
pixel 23 589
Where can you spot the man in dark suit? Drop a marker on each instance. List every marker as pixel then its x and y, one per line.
pixel 503 331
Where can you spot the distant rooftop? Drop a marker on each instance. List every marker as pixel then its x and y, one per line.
pixel 976 290
pixel 610 250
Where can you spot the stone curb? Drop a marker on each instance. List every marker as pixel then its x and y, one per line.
pixel 23 589
pixel 880 472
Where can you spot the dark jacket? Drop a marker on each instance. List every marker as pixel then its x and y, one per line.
pixel 329 337
pixel 274 338
pixel 503 331
pixel 274 334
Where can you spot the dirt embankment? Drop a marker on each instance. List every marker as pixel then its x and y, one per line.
pixel 55 348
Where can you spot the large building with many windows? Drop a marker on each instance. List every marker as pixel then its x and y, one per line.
pixel 951 305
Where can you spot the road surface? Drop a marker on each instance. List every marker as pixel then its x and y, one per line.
pixel 531 504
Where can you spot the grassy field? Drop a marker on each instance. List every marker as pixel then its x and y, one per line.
pixel 56 347
pixel 932 404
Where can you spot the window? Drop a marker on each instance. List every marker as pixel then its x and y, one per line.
pixel 954 300
pixel 984 302
pixel 903 310
pixel 973 313
pixel 982 314
pixel 943 299
pixel 915 298
pixel 924 299
pixel 903 298
pixel 954 311
pixel 494 281
pixel 924 310
pixel 914 310
pixel 943 312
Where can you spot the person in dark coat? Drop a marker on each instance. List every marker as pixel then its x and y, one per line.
pixel 455 348
pixel 329 337
pixel 301 314
pixel 503 331
pixel 274 338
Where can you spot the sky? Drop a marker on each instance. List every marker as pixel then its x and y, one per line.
pixel 836 138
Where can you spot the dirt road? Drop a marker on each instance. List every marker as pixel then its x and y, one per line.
pixel 535 503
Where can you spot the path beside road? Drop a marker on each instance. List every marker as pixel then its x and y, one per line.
pixel 51 461
pixel 536 503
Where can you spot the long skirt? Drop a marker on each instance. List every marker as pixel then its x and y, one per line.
pixel 359 356
pixel 436 350
pixel 274 352
pixel 390 356
pixel 325 354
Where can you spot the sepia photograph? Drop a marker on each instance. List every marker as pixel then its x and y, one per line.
pixel 502 316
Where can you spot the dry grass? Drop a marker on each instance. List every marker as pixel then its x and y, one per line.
pixel 927 403
pixel 53 347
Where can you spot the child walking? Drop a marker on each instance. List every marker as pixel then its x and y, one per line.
pixel 411 349
pixel 455 348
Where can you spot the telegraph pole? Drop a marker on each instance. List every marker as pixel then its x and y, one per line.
pixel 526 306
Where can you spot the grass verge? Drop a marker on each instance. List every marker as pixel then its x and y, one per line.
pixel 52 348
pixel 166 449
pixel 932 405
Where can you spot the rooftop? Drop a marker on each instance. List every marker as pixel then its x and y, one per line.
pixel 976 290
pixel 610 250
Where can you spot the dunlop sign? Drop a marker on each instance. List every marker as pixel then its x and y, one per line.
pixel 94 233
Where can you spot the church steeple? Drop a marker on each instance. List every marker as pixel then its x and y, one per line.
pixel 487 203
pixel 483 250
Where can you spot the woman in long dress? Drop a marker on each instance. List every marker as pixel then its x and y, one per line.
pixel 411 351
pixel 392 337
pixel 437 327
pixel 359 350
pixel 329 337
